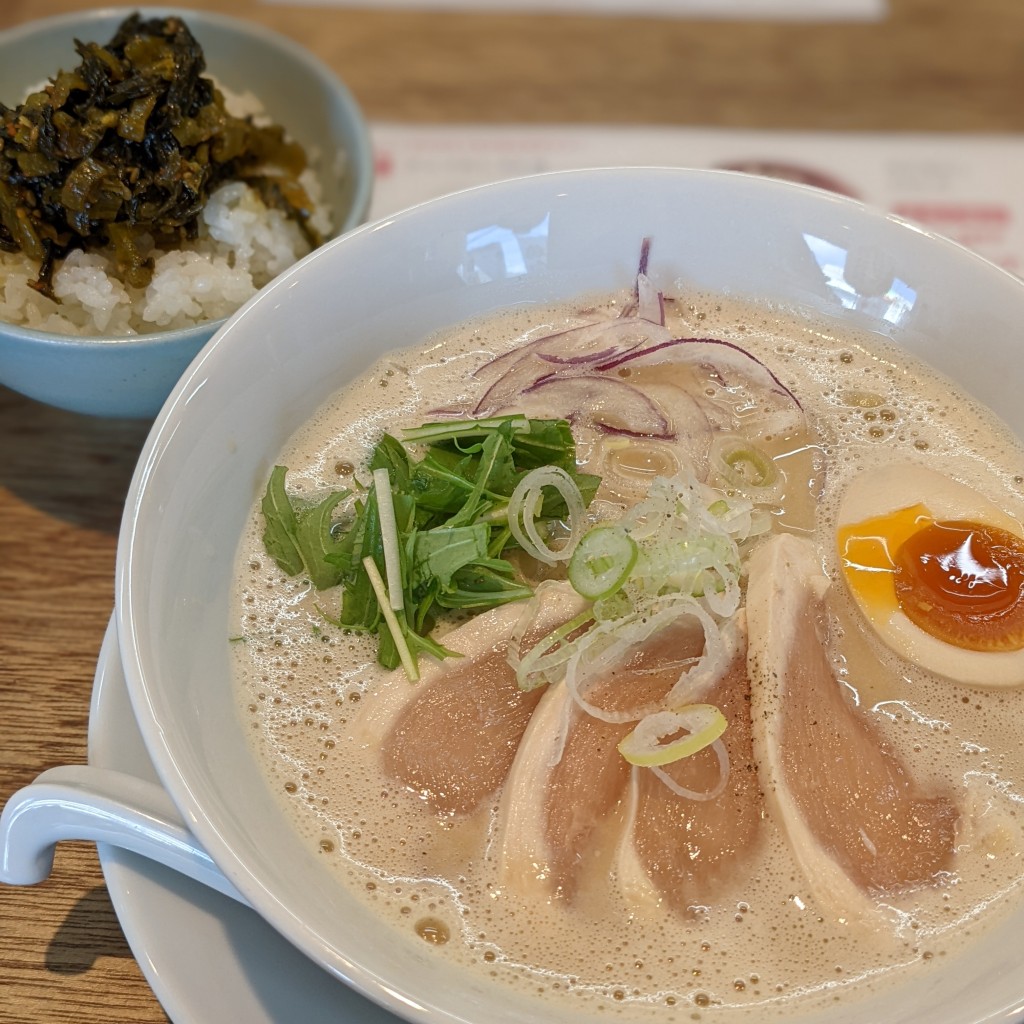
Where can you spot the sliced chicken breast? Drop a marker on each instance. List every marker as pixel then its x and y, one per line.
pixel 451 737
pixel 569 809
pixel 684 852
pixel 860 825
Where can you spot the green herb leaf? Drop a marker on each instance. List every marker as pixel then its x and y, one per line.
pixel 451 521
pixel 495 474
pixel 390 455
pixel 442 481
pixel 315 541
pixel 463 430
pixel 484 584
pixel 441 552
pixel 298 535
pixel 546 443
pixel 280 525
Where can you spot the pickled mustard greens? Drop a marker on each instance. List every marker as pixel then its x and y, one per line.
pixel 436 528
pixel 132 142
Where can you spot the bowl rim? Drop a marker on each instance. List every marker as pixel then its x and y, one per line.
pixel 360 156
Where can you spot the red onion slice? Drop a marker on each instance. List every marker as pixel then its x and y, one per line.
pixel 722 355
pixel 606 403
pixel 503 391
pixel 565 354
pixel 642 320
pixel 575 373
pixel 585 344
pixel 617 337
pixel 501 364
pixel 650 303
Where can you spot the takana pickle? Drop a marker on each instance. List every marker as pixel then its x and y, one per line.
pixel 124 150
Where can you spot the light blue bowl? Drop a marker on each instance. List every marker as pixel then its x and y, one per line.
pixel 131 376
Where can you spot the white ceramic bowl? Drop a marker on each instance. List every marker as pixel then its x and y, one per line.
pixel 388 284
pixel 131 376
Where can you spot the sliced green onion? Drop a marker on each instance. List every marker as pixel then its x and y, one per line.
pixel 379 588
pixel 692 794
pixel 389 537
pixel 645 746
pixel 610 642
pixel 745 467
pixel 543 662
pixel 602 562
pixel 688 563
pixel 748 464
pixel 524 508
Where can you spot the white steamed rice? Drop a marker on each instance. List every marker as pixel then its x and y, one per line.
pixel 242 244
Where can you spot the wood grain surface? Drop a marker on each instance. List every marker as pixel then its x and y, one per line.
pixel 933 65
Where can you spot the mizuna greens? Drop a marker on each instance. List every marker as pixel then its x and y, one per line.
pixel 449 487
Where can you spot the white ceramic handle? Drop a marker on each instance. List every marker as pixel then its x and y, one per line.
pixel 80 802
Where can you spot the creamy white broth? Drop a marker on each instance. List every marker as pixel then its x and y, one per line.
pixel 303 687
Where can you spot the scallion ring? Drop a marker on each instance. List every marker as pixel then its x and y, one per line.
pixel 744 466
pixel 718 748
pixel 701 725
pixel 602 562
pixel 524 508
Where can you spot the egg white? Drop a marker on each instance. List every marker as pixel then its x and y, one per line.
pixel 887 489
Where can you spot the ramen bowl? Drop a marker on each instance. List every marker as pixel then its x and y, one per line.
pixel 387 285
pixel 130 374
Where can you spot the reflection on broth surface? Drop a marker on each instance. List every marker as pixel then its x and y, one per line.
pixel 855 822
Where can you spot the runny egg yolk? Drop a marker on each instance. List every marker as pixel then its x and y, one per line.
pixel 960 581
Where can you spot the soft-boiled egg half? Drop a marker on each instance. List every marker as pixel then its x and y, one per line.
pixel 938 570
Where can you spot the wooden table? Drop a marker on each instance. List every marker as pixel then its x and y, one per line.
pixel 934 65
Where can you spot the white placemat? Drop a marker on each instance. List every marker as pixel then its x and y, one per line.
pixel 965 187
pixel 756 10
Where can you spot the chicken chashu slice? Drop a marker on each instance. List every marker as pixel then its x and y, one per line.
pixel 451 736
pixel 567 804
pixel 859 824
pixel 685 853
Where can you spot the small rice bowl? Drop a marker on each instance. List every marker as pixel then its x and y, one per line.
pixel 241 245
